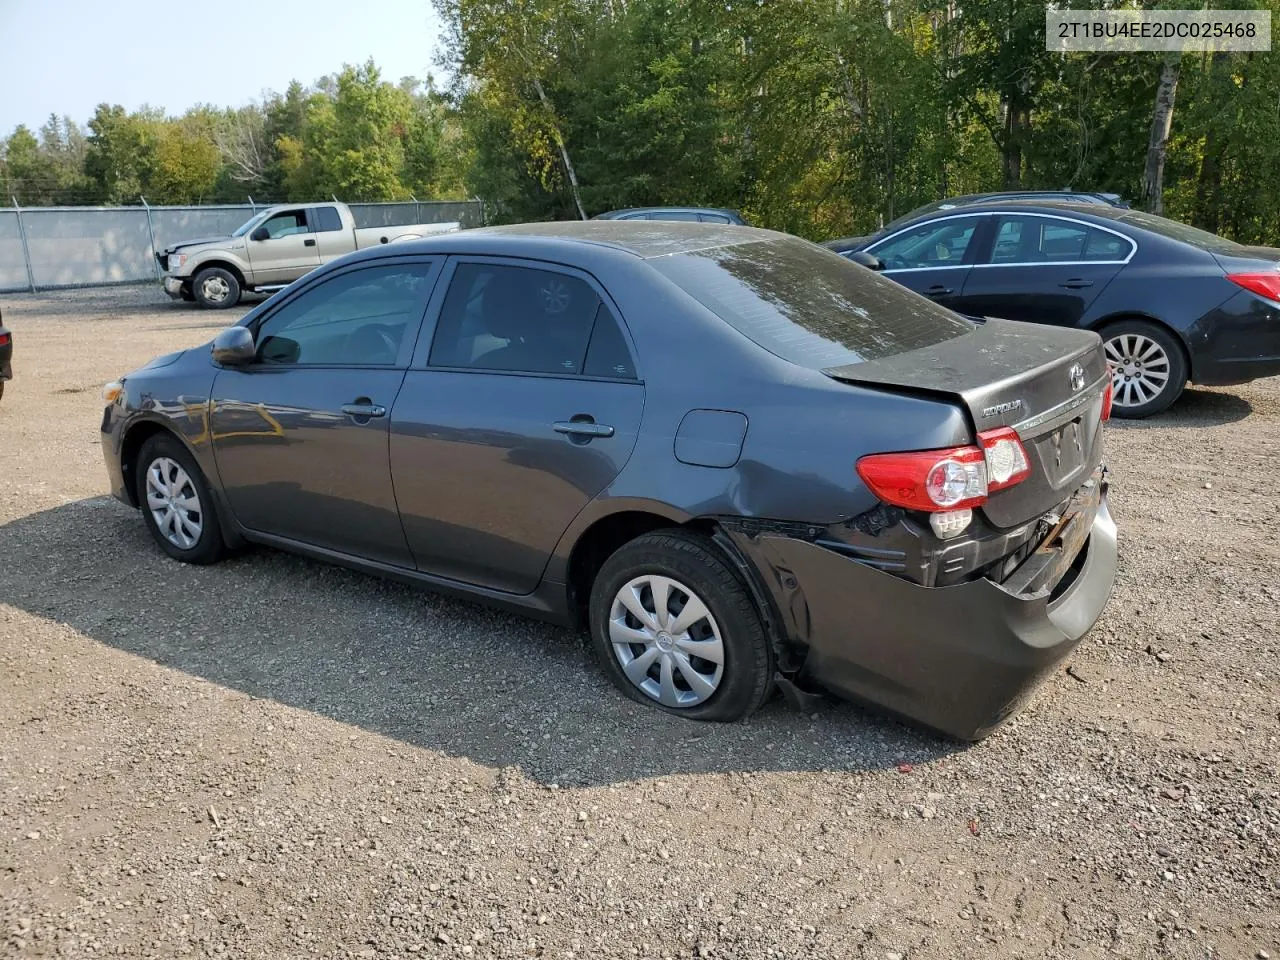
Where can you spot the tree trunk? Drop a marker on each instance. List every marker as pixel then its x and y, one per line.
pixel 1016 119
pixel 1209 182
pixel 564 151
pixel 1158 145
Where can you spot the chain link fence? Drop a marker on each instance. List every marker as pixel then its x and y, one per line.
pixel 50 247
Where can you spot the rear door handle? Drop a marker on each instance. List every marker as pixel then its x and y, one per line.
pixel 309 242
pixel 364 409
pixel 937 291
pixel 583 428
pixel 1076 284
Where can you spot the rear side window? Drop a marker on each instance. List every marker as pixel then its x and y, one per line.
pixel 608 356
pixel 515 319
pixel 713 218
pixel 1025 239
pixel 327 219
pixel 808 305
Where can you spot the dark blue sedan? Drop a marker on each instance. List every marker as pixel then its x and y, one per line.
pixel 1173 304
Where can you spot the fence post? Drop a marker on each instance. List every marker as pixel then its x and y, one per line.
pixel 26 251
pixel 151 232
pixel 417 209
pixel 254 207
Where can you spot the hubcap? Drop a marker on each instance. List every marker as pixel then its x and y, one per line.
pixel 666 641
pixel 174 503
pixel 1139 369
pixel 215 289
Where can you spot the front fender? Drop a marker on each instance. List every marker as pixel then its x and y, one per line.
pixel 219 256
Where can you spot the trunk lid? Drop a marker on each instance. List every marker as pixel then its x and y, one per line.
pixel 1046 382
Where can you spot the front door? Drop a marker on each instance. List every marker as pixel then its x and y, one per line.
pixel 933 258
pixel 1043 269
pixel 523 407
pixel 288 251
pixel 300 436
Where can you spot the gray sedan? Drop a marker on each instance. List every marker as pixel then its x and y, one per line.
pixel 740 460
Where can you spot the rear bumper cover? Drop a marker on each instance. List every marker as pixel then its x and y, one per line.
pixel 959 659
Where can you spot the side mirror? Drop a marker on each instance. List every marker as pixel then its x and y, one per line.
pixel 260 234
pixel 234 347
pixel 868 260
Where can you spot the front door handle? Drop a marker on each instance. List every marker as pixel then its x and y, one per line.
pixel 362 408
pixel 309 242
pixel 583 428
pixel 937 291
pixel 1076 284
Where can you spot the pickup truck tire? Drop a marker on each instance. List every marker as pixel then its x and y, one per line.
pixel 216 288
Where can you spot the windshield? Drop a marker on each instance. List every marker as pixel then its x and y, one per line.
pixel 249 224
pixel 808 305
pixel 1209 242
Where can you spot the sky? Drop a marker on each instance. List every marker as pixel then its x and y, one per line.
pixel 67 56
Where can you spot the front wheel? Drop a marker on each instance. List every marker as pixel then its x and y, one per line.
pixel 1148 368
pixel 177 503
pixel 675 628
pixel 216 288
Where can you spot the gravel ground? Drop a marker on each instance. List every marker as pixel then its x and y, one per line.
pixel 275 758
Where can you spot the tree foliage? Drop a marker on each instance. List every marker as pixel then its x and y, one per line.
pixel 819 117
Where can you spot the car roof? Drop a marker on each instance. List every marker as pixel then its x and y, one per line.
pixel 1095 210
pixel 616 213
pixel 640 238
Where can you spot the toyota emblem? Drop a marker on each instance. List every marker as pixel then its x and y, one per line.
pixel 1077 377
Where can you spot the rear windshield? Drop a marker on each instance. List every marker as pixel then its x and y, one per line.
pixel 808 305
pixel 1174 230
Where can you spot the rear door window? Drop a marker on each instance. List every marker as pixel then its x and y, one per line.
pixel 1027 239
pixel 327 219
pixel 808 305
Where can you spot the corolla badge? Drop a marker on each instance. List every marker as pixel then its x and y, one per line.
pixel 1000 408
pixel 1076 373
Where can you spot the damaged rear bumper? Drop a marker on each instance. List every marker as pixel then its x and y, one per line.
pixel 959 658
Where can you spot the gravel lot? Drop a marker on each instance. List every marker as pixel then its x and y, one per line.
pixel 275 758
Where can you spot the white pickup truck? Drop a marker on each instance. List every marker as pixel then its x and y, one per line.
pixel 271 250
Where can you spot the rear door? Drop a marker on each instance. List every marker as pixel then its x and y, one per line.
pixel 289 251
pixel 1043 269
pixel 333 240
pixel 933 258
pixel 524 405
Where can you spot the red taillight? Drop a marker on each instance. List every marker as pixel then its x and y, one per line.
pixel 951 479
pixel 1108 393
pixel 1263 284
pixel 4 339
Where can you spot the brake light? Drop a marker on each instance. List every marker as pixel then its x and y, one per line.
pixel 957 478
pixel 4 339
pixel 1108 394
pixel 1263 284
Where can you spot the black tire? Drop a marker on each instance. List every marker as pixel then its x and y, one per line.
pixel 209 546
pixel 746 679
pixel 215 277
pixel 185 294
pixel 1117 337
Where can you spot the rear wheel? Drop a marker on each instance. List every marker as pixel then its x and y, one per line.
pixel 675 628
pixel 216 288
pixel 176 502
pixel 1148 368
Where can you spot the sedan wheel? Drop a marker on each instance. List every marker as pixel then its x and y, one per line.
pixel 176 501
pixel 666 641
pixel 676 628
pixel 1148 370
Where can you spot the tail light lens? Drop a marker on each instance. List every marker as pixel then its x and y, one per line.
pixel 1265 285
pixel 4 339
pixel 957 478
pixel 1108 394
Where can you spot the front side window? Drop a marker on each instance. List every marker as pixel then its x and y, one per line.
pixel 286 224
pixel 360 318
pixel 941 243
pixel 516 319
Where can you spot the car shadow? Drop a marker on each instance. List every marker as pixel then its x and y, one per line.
pixel 437 673
pixel 1197 407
